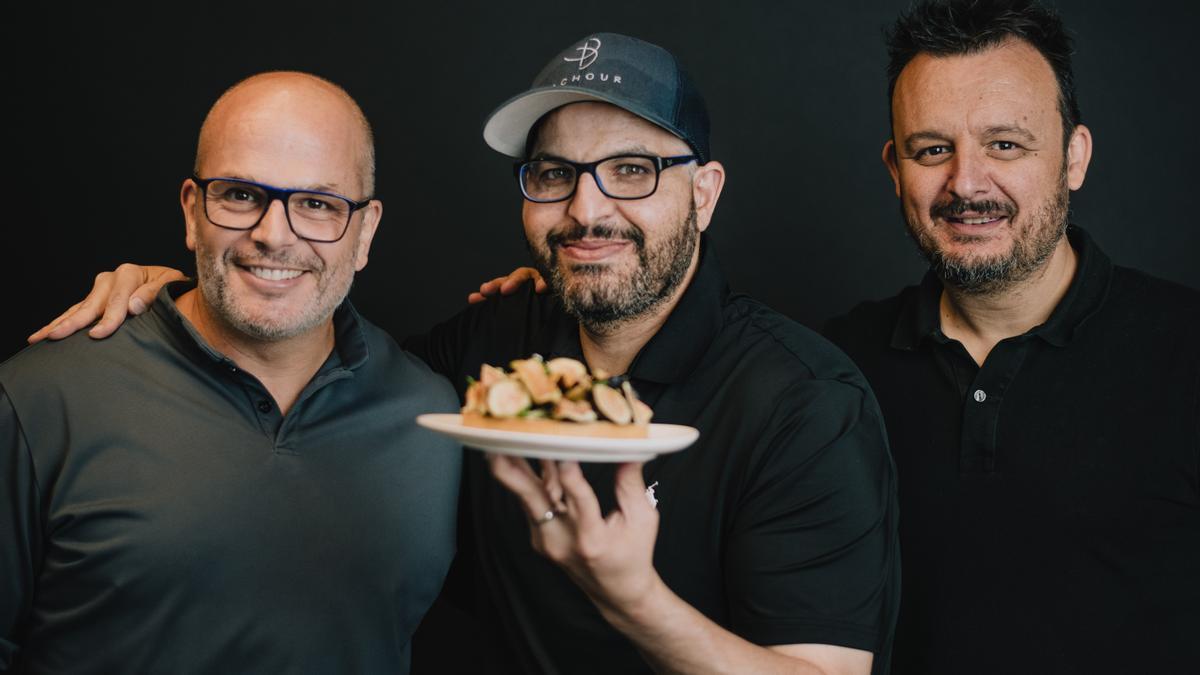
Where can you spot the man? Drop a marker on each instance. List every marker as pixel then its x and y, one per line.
pixel 773 544
pixel 233 483
pixel 1042 404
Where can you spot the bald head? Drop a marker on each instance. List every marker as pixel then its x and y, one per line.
pixel 290 112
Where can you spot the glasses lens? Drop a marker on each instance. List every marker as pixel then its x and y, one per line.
pixel 628 177
pixel 318 217
pixel 233 204
pixel 547 181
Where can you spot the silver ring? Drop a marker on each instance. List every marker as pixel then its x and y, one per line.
pixel 546 517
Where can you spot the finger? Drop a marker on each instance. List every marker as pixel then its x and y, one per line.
pixel 539 285
pixel 44 332
pixel 86 311
pixel 581 499
pixel 630 490
pixel 125 280
pixel 476 298
pixel 552 485
pixel 515 474
pixel 142 298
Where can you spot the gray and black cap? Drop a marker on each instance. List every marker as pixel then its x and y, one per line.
pixel 629 73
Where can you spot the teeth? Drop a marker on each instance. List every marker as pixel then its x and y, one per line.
pixel 977 221
pixel 274 274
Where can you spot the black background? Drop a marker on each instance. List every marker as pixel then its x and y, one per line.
pixel 108 102
pixel 105 102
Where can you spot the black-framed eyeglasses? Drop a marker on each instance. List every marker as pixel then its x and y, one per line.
pixel 619 177
pixel 236 204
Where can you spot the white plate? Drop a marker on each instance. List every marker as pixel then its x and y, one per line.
pixel 663 438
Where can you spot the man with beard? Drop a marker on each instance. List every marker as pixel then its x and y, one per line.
pixel 234 482
pixel 1042 403
pixel 773 546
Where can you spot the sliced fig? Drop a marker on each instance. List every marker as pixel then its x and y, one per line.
pixel 475 398
pixel 641 412
pixel 611 403
pixel 532 372
pixel 580 391
pixel 507 398
pixel 490 375
pixel 576 411
pixel 566 372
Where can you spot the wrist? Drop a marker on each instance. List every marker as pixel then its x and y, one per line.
pixel 640 608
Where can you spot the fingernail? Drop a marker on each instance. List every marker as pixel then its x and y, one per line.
pixel 136 306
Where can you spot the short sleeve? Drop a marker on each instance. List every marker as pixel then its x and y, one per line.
pixel 20 531
pixel 813 555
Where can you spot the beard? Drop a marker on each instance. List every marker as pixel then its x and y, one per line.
pixel 1033 240
pixel 603 298
pixel 269 324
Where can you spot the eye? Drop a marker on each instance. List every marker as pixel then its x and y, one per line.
pixel 315 204
pixel 630 170
pixel 1005 149
pixel 554 174
pixel 931 155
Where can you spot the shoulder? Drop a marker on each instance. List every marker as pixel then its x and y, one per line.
pixel 80 360
pixel 787 357
pixel 395 368
pixel 1134 290
pixel 870 320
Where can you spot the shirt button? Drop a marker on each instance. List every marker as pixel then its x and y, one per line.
pixel 264 406
pixel 980 396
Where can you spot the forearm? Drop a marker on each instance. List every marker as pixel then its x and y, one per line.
pixel 676 638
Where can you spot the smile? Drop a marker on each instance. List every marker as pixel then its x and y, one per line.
pixel 273 274
pixel 590 250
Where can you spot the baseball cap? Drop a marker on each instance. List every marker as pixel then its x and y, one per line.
pixel 629 73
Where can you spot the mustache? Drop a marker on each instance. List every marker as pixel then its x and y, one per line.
pixel 579 231
pixel 956 207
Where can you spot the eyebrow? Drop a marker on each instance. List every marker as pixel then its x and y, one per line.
pixel 627 150
pixel 997 130
pixel 317 187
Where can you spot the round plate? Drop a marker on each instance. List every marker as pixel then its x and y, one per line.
pixel 663 438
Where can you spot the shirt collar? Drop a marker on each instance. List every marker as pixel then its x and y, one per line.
pixel 919 313
pixel 350 343
pixel 673 353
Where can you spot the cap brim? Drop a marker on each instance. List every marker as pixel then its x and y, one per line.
pixel 507 128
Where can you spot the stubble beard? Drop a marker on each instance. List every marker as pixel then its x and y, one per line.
pixel 213 281
pixel 603 300
pixel 1031 246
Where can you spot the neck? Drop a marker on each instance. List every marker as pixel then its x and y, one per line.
pixel 284 367
pixel 613 348
pixel 981 321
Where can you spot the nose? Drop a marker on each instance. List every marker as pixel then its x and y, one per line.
pixel 589 205
pixel 273 230
pixel 969 175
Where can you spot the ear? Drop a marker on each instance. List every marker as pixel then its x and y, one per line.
pixel 372 213
pixel 1079 156
pixel 189 199
pixel 889 160
pixel 707 184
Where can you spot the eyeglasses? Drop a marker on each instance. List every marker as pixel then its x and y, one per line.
pixel 240 205
pixel 619 177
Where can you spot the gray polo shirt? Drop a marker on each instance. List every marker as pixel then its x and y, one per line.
pixel 159 514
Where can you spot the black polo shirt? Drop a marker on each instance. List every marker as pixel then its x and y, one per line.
pixel 778 524
pixel 159 515
pixel 1051 497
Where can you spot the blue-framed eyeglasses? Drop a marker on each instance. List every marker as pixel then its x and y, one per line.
pixel 236 204
pixel 619 177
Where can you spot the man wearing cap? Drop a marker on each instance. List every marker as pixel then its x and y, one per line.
pixel 773 546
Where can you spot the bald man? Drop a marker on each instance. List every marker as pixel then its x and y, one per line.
pixel 234 483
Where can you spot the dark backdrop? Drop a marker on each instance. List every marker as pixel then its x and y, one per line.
pixel 108 101
pixel 104 105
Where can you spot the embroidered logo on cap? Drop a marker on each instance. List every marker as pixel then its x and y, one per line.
pixel 588 52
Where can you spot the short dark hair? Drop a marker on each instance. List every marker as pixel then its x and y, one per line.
pixel 960 27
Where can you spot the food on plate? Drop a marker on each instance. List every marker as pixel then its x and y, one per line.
pixel 558 396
